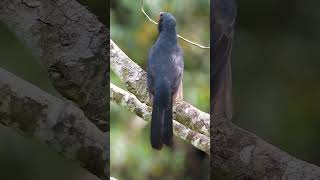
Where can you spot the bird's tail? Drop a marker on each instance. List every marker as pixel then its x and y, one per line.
pixel 161 123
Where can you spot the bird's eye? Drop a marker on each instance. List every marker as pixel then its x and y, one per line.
pixel 160 17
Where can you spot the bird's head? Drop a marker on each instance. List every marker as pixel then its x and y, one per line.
pixel 166 21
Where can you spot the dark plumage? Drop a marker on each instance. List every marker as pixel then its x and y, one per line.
pixel 164 77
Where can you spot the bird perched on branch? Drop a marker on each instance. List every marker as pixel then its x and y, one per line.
pixel 164 79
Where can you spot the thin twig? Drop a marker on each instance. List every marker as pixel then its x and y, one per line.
pixel 147 14
pixel 179 36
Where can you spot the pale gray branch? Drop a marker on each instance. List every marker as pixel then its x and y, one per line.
pixel 134 78
pixel 131 103
pixel 60 124
pixel 73 46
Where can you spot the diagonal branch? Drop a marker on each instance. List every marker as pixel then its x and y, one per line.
pixel 60 124
pixel 239 154
pixel 134 78
pixel 71 44
pixel 131 103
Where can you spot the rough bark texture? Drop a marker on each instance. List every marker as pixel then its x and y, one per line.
pixel 134 78
pixel 58 123
pixel 73 46
pixel 131 103
pixel 239 154
pixel 236 153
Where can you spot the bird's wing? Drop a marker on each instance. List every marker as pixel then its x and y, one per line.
pixel 222 25
pixel 178 69
pixel 149 74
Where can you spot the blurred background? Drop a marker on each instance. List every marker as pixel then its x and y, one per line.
pixel 23 158
pixel 131 154
pixel 276 87
pixel 276 74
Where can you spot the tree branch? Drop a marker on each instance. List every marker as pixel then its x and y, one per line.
pixel 135 80
pixel 73 46
pixel 60 124
pixel 236 152
pixel 239 154
pixel 131 103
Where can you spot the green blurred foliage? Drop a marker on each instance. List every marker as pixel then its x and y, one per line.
pixel 276 70
pixel 131 153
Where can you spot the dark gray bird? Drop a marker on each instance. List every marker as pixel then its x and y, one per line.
pixel 222 29
pixel 164 79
